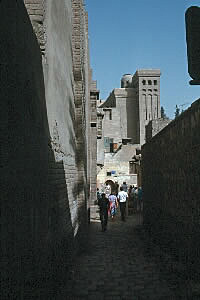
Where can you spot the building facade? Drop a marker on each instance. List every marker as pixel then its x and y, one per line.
pixel 126 113
pixel 130 108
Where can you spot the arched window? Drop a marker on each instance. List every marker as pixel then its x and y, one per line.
pixel 149 82
pixel 144 82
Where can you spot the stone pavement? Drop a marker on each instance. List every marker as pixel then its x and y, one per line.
pixel 122 263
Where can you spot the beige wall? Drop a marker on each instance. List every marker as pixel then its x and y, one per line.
pixel 123 108
pixel 121 175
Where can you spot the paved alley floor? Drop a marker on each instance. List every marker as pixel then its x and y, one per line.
pixel 122 263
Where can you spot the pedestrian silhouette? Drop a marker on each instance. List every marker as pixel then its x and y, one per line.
pixel 113 204
pixel 122 197
pixel 103 203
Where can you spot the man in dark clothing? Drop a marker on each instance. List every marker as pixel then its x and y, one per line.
pixel 98 195
pixel 103 203
pixel 116 187
pixel 124 187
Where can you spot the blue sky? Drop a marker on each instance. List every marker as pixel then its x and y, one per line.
pixel 138 34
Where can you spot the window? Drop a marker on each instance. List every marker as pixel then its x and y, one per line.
pixel 132 168
pixel 143 82
pixel 110 115
pixel 111 148
pixel 155 90
pixel 108 173
pixel 108 144
pixel 149 90
pixel 155 82
pixel 149 82
pixel 144 90
pixel 93 124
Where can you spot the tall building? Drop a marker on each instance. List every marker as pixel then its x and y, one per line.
pixel 126 113
pixel 147 86
pixel 129 109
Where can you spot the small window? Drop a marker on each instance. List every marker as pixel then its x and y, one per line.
pixel 111 148
pixel 149 82
pixel 144 82
pixel 144 90
pixel 149 90
pixel 155 82
pixel 110 115
pixel 93 124
pixel 132 168
pixel 108 173
pixel 155 90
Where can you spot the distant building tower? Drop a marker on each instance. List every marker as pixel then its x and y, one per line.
pixel 130 108
pixel 126 81
pixel 147 85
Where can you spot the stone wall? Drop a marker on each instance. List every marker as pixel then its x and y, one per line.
pixel 120 114
pixel 94 96
pixel 44 124
pixel 155 126
pixel 170 178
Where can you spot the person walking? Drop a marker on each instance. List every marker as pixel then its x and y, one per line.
pixel 103 203
pixel 124 186
pixel 135 198
pixel 107 190
pixel 140 203
pixel 116 186
pixel 113 204
pixel 129 191
pixel 98 195
pixel 122 197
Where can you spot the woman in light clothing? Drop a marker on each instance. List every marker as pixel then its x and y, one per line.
pixel 113 204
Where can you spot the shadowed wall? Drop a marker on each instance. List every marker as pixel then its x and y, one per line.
pixel 43 163
pixel 171 177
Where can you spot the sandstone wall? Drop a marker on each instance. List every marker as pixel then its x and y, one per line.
pixel 45 110
pixel 120 115
pixel 170 177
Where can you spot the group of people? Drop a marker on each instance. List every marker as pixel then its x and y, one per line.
pixel 109 200
pixel 135 197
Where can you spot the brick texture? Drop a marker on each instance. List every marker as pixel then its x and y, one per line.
pixel 171 174
pixel 45 122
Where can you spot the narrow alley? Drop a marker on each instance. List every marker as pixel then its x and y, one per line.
pixel 122 263
pixel 65 142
